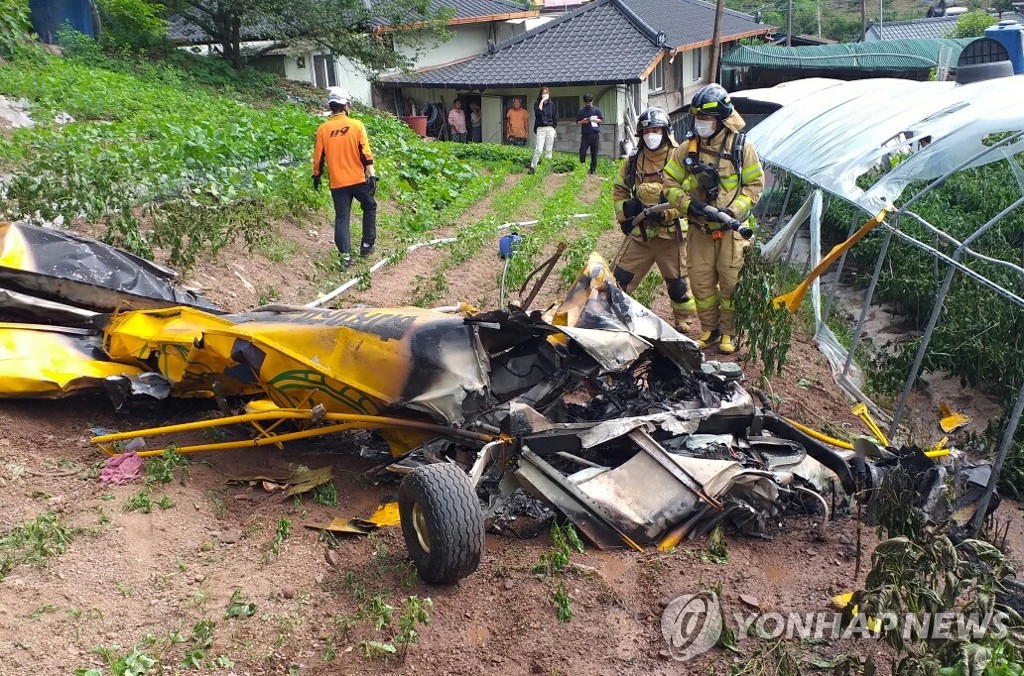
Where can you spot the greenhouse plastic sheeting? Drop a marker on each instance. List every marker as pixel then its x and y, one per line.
pixel 832 139
pixel 836 354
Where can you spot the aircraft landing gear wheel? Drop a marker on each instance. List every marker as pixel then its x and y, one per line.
pixel 442 523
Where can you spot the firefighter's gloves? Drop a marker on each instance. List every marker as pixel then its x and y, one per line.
pixel 696 208
pixel 631 209
pixel 372 182
pixel 316 183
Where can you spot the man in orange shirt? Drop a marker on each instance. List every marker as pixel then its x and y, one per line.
pixel 518 120
pixel 342 144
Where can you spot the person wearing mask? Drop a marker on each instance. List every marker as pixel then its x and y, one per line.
pixel 544 120
pixel 518 122
pixel 589 120
pixel 343 146
pixel 457 121
pixel 716 167
pixel 476 123
pixel 660 239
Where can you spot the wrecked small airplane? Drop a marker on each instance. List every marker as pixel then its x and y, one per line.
pixel 597 408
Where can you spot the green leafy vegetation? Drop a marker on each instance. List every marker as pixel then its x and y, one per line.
pixel 977 338
pixel 163 162
pixel 15 26
pixel 553 564
pixel 34 542
pixel 972 25
pixel 767 330
pixel 918 576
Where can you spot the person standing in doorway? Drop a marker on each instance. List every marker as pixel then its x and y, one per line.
pixel 476 123
pixel 343 146
pixel 589 119
pixel 457 121
pixel 518 122
pixel 544 119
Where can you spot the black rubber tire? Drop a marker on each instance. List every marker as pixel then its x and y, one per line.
pixel 447 506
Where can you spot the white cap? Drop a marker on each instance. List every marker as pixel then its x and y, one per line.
pixel 338 95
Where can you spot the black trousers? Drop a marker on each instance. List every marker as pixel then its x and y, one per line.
pixel 343 210
pixel 592 143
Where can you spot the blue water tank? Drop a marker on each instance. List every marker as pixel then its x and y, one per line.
pixel 1011 35
pixel 49 15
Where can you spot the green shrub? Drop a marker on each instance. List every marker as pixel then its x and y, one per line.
pixel 15 26
pixel 137 24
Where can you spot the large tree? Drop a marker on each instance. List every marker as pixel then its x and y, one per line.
pixel 222 20
pixel 361 30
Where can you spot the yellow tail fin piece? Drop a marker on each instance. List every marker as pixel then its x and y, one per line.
pixel 951 420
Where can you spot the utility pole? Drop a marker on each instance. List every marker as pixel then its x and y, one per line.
pixel 863 18
pixel 789 23
pixel 716 42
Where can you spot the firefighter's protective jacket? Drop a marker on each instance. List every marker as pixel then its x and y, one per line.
pixel 342 143
pixel 643 180
pixel 739 197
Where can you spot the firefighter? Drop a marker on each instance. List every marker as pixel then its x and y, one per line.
pixel 342 144
pixel 661 238
pixel 716 167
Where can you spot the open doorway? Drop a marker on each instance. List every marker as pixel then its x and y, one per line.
pixel 507 105
pixel 474 120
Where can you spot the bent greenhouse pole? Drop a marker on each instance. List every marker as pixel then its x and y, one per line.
pixel 1004 449
pixel 940 299
pixel 867 302
pixel 830 301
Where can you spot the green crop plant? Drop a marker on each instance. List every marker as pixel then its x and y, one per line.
pixel 555 223
pixel 34 541
pixel 767 329
pixel 553 564
pixel 209 168
pixel 977 338
pixel 589 229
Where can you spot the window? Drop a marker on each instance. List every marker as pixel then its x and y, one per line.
pixel 566 107
pixel 656 80
pixel 324 75
pixel 696 64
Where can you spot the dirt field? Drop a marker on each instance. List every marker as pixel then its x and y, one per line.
pixel 150 580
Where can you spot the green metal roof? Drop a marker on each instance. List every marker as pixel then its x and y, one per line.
pixel 886 55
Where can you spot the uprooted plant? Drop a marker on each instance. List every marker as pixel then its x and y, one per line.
pixel 767 329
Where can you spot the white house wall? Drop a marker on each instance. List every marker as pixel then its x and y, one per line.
pixel 468 40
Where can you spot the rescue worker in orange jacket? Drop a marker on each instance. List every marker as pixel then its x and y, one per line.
pixel 715 167
pixel 342 144
pixel 661 239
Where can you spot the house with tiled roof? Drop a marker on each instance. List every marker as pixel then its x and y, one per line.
pixel 474 25
pixel 928 28
pixel 628 53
